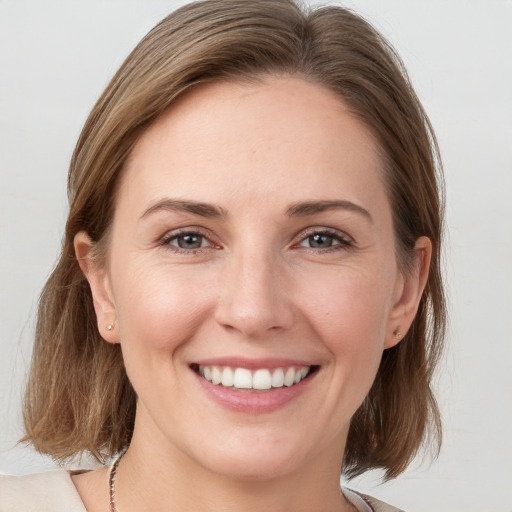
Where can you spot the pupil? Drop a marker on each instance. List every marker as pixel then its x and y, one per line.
pixel 189 242
pixel 320 241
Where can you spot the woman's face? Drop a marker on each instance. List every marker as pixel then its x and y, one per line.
pixel 252 244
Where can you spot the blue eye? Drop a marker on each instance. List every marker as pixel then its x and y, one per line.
pixel 324 240
pixel 320 241
pixel 188 241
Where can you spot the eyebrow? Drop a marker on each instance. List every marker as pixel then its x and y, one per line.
pixel 311 207
pixel 301 209
pixel 180 205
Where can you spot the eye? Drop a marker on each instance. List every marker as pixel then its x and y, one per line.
pixel 187 241
pixel 325 240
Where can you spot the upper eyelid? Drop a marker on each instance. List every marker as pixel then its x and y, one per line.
pixel 188 230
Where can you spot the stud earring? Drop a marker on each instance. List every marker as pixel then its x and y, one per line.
pixel 110 327
pixel 397 333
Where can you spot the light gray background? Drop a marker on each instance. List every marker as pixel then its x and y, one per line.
pixel 57 56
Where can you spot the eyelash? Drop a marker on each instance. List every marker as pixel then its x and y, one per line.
pixel 344 242
pixel 175 235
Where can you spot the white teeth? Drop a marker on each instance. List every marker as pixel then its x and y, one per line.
pixel 262 379
pixel 216 375
pixel 278 378
pixel 243 378
pixel 227 377
pixel 289 377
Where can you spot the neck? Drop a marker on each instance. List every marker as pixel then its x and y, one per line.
pixel 167 479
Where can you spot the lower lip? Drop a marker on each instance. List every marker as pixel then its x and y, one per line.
pixel 253 402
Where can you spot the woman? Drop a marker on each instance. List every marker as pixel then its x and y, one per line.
pixel 249 298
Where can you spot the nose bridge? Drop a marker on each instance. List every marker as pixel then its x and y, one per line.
pixel 253 292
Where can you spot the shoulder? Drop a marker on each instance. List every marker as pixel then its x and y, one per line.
pixel 366 503
pixel 52 491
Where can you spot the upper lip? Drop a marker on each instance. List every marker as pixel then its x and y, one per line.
pixel 252 364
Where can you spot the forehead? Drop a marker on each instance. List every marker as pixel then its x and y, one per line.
pixel 284 136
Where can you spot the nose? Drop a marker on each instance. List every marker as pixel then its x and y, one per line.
pixel 253 295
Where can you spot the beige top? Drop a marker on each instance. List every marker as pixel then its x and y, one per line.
pixel 54 491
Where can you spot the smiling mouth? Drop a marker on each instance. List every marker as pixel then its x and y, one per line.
pixel 263 379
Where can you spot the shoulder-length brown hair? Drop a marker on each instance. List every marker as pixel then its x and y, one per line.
pixel 78 396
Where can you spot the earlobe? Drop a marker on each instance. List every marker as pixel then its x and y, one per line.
pixel 410 290
pixel 101 289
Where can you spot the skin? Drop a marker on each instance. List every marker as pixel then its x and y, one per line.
pixel 258 287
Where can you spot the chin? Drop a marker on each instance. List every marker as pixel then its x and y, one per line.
pixel 254 460
pixel 251 470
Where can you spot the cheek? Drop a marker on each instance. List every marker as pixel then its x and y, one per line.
pixel 159 311
pixel 159 308
pixel 350 314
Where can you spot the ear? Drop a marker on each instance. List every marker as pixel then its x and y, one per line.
pixel 101 289
pixel 408 293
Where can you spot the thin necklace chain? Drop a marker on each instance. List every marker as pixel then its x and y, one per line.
pixel 112 482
